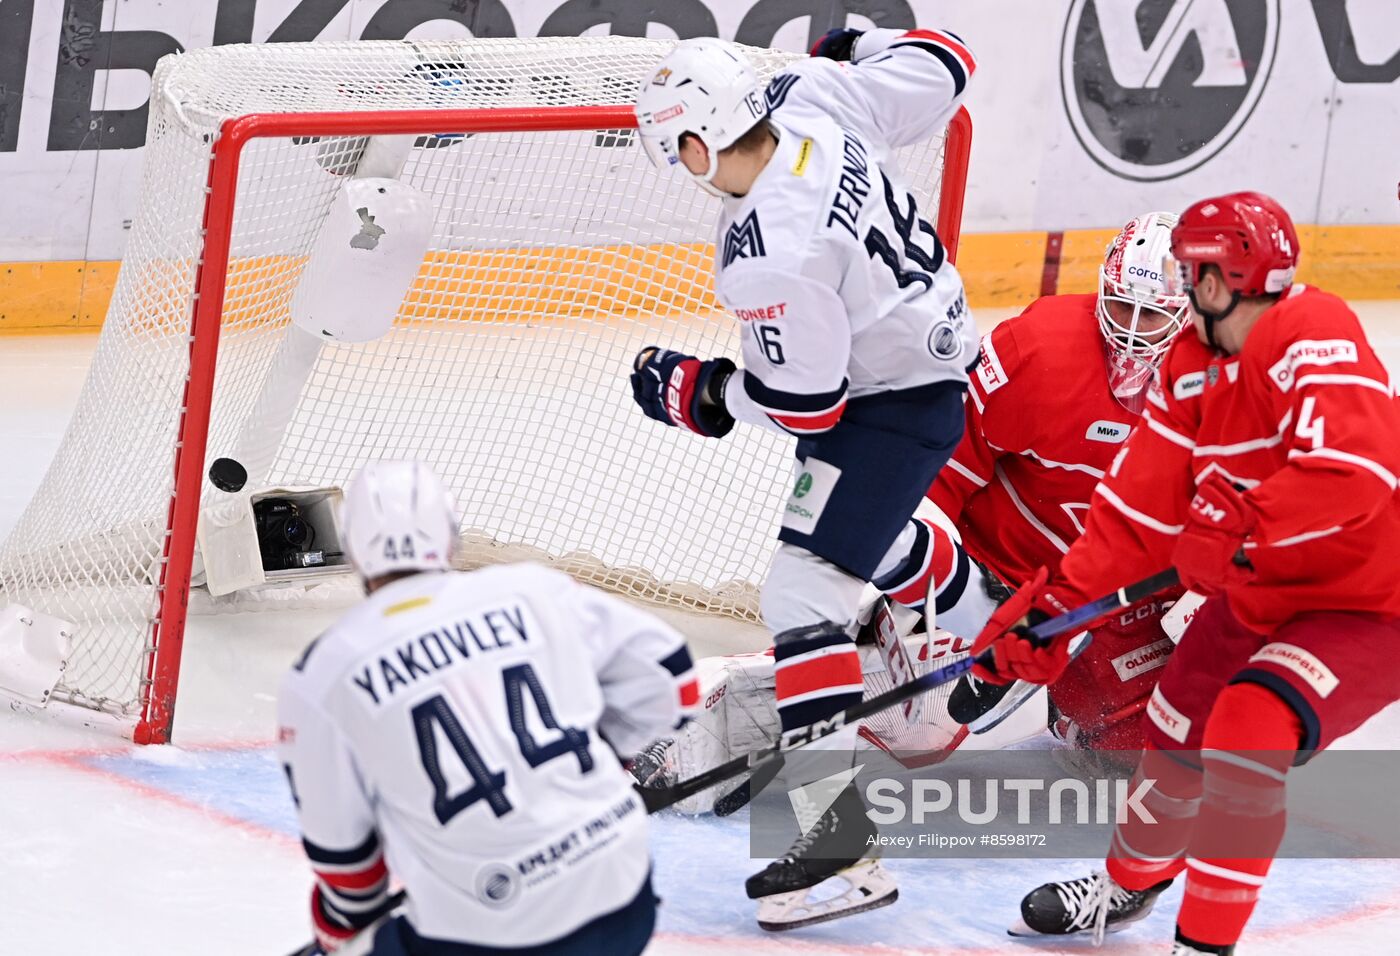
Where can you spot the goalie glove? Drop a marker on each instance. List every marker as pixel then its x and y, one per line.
pixel 679 389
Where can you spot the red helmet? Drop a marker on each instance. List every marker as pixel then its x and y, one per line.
pixel 1247 235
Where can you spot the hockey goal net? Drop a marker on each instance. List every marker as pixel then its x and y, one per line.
pixel 556 253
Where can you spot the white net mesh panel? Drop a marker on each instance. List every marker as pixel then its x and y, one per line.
pixel 555 257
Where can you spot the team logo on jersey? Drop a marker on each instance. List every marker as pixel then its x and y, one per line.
pixel 744 240
pixel 1155 88
pixel 497 885
pixel 944 341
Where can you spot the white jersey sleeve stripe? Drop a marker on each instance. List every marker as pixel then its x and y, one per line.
pixel 780 402
pixel 797 413
pixel 1375 468
pixel 1361 380
pixel 335 861
pixel 1175 437
pixel 1133 514
pixel 966 472
pixel 947 48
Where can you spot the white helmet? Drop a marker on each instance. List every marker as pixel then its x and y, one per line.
pixel 1131 275
pixel 706 87
pixel 397 517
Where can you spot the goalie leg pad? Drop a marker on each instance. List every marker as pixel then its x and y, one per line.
pixel 857 889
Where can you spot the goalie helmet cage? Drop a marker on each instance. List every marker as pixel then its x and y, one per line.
pixel 557 252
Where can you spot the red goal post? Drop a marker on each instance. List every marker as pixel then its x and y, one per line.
pixel 555 251
pixel 167 631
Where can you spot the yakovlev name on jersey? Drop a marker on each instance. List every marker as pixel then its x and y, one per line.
pixel 420 656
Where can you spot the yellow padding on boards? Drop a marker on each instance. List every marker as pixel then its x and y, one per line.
pixel 1000 269
pixel 55 297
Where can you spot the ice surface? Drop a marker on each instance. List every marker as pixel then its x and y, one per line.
pixel 107 848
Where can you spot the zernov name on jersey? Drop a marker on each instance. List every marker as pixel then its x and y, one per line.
pixel 841 284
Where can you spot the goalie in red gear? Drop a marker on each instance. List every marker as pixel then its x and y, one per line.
pixel 1056 391
pixel 1266 474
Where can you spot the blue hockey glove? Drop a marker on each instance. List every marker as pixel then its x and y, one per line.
pixel 836 44
pixel 679 389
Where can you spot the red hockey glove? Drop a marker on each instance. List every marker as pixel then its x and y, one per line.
pixel 1207 555
pixel 679 389
pixel 1015 654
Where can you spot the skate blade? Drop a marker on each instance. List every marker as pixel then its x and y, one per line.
pixel 1020 930
pixel 869 887
pixel 1020 692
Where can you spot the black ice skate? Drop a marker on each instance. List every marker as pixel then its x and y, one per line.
pixel 654 767
pixel 830 854
pixel 972 699
pixel 1092 904
pixel 1189 947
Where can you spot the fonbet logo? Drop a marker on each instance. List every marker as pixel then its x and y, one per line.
pixel 1155 88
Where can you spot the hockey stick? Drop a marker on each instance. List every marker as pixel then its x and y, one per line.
pixel 897 663
pixel 658 798
pixel 1019 693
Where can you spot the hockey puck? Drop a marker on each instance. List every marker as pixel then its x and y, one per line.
pixel 228 475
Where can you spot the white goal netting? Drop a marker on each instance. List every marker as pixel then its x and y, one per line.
pixel 555 256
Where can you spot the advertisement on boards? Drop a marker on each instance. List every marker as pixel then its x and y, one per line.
pixel 1086 111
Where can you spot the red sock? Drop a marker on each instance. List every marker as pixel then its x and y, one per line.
pixel 1144 854
pixel 1251 739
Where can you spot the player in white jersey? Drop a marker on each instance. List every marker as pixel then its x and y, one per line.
pixel 856 333
pixel 460 731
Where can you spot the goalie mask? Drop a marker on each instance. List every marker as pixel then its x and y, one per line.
pixel 1137 313
pixel 704 87
pixel 397 517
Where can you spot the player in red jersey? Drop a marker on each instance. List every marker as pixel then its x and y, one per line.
pixel 1056 392
pixel 1266 474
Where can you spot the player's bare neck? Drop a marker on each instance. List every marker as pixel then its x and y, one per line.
pixel 738 170
pixel 1233 331
pixel 374 584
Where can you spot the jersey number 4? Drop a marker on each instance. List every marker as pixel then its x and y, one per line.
pixel 487 785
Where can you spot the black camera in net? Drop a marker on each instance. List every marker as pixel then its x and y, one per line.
pixel 284 536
